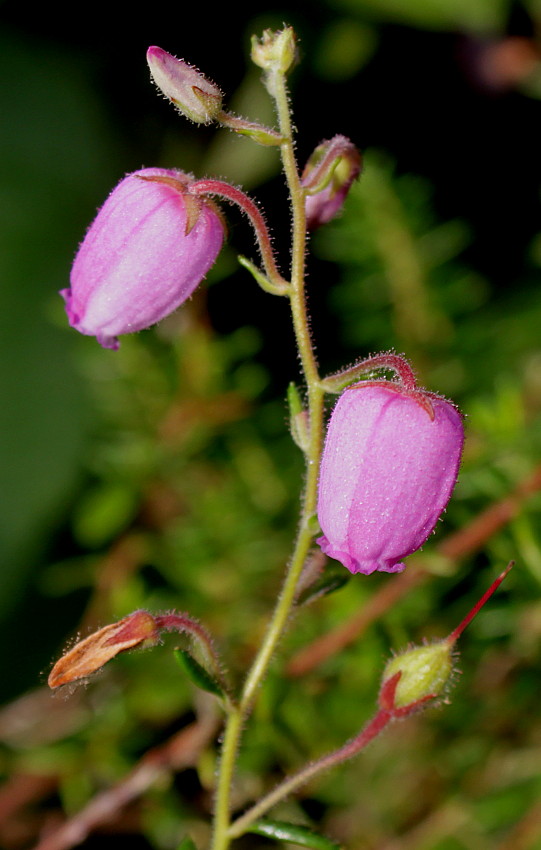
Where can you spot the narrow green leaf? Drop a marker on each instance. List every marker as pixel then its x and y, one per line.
pixel 293 833
pixel 331 580
pixel 299 421
pixel 262 279
pixel 187 844
pixel 294 400
pixel 261 135
pixel 199 676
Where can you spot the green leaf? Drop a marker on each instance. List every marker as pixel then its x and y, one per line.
pixel 187 844
pixel 294 400
pixel 262 279
pixel 298 418
pixel 331 580
pixel 293 833
pixel 199 676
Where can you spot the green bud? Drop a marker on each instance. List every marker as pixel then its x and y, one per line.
pixel 417 674
pixel 425 672
pixel 275 51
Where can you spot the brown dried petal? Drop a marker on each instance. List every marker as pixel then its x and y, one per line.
pixel 93 652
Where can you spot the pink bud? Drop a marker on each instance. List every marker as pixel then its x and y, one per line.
pixel 148 248
pixel 193 95
pixel 327 179
pixel 387 473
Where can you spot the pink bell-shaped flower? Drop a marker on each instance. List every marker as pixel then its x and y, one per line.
pixel 148 248
pixel 387 473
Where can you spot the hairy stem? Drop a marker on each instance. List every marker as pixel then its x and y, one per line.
pixel 235 196
pixel 315 396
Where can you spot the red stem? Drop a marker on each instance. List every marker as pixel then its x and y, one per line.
pixel 395 362
pixel 453 637
pixel 185 625
pixel 236 196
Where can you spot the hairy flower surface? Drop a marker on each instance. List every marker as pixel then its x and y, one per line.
pixel 387 473
pixel 148 248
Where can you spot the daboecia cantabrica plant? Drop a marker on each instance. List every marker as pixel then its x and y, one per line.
pixel 377 477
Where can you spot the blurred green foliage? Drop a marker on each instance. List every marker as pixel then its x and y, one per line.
pixel 163 476
pixel 476 15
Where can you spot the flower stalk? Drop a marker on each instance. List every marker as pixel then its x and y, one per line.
pixel 315 396
pixel 275 281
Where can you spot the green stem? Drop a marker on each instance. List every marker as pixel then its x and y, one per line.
pixel 225 775
pixel 315 397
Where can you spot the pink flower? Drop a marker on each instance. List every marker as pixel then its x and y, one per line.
pixel 387 473
pixel 148 248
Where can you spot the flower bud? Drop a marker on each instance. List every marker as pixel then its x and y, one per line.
pixel 327 176
pixel 275 51
pixel 97 649
pixel 148 248
pixel 193 95
pixel 389 466
pixel 420 673
pixel 425 671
